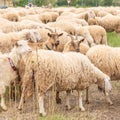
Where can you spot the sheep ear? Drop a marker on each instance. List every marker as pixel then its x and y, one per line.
pixel 60 34
pixel 50 35
pixel 82 40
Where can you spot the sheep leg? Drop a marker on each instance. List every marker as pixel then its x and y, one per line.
pixel 41 105
pixel 108 99
pixel 68 107
pixel 21 99
pixel 80 101
pixel 12 92
pixel 4 107
pixel 58 99
pixel 87 96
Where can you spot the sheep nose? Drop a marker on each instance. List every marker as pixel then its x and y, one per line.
pixel 56 43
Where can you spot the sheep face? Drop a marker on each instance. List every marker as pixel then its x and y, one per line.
pixel 73 46
pixel 33 37
pixel 22 47
pixel 54 40
pixel 104 86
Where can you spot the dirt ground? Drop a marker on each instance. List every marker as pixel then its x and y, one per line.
pixel 98 109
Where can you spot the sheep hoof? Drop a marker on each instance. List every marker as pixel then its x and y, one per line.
pixel 82 109
pixel 4 108
pixel 87 102
pixel 58 101
pixel 111 103
pixel 19 109
pixel 43 114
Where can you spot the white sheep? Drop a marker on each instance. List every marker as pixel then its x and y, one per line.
pixel 64 25
pixel 67 71
pixel 106 58
pixel 7 39
pixel 98 34
pixel 7 26
pixel 109 22
pixel 8 70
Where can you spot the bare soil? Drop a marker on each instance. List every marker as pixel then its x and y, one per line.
pixel 97 109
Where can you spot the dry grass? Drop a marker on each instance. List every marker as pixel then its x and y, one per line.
pixel 98 109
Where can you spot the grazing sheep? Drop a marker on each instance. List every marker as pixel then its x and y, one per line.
pixel 84 32
pixel 98 34
pixel 45 17
pixel 106 58
pixel 64 71
pixel 31 17
pixel 8 70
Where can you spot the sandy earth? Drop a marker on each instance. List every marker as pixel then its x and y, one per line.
pixel 98 109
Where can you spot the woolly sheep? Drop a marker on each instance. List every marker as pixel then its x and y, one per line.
pixel 106 58
pixel 84 32
pixel 63 25
pixel 98 34
pixel 11 16
pixel 54 69
pixel 8 70
pixel 8 26
pixel 109 22
pixel 7 39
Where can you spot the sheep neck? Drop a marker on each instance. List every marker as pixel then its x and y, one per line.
pixel 14 56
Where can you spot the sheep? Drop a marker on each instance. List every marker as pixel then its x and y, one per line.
pixel 11 16
pixel 56 40
pixel 109 22
pixel 53 41
pixel 8 26
pixel 7 39
pixel 67 71
pixel 31 17
pixel 63 25
pixel 101 54
pixel 81 22
pixel 8 69
pixel 73 45
pixel 106 58
pixel 98 34
pixel 45 17
pixel 84 32
pixel 76 45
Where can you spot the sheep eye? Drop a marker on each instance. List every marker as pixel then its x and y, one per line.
pixel 20 45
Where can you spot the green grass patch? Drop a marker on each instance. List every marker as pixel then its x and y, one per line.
pixel 113 39
pixel 53 117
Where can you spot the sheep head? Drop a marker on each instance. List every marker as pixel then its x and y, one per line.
pixel 74 44
pixel 33 37
pixel 21 47
pixel 104 85
pixel 53 40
